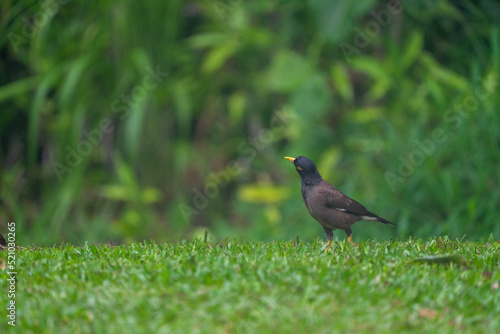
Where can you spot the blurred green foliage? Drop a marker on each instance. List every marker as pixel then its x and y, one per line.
pixel 160 119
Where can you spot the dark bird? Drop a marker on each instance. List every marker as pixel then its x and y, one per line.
pixel 331 208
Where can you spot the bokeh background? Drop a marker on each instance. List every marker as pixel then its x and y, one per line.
pixel 160 120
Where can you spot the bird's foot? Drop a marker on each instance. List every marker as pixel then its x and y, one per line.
pixel 349 238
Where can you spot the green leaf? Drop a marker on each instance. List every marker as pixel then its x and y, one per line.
pixel 150 195
pixel 328 162
pixel 258 193
pixel 336 19
pixel 217 57
pixel 205 40
pixel 313 98
pixel 341 81
pixel 37 107
pixel 19 87
pixel 236 107
pixel 442 73
pixel 375 70
pixel 367 114
pixel 73 75
pixel 413 49
pixel 288 71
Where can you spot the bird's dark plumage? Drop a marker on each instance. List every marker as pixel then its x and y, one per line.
pixel 331 208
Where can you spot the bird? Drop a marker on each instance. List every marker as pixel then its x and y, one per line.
pixel 330 207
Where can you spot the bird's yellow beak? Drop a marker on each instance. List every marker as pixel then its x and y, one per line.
pixel 290 159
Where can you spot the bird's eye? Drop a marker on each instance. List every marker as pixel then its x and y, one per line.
pixel 299 168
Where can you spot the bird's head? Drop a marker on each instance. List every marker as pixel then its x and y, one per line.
pixel 306 169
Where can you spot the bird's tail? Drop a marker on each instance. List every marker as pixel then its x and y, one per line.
pixel 385 221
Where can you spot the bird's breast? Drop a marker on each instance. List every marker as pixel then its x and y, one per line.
pixel 315 204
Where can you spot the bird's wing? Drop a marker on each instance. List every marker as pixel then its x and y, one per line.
pixel 334 199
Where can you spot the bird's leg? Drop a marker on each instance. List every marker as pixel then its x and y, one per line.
pixel 349 237
pixel 328 244
pixel 329 234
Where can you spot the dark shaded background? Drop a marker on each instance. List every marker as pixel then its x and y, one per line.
pixel 160 119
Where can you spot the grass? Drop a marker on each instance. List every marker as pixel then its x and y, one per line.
pixel 284 287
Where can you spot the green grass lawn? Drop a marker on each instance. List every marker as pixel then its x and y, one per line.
pixel 279 287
